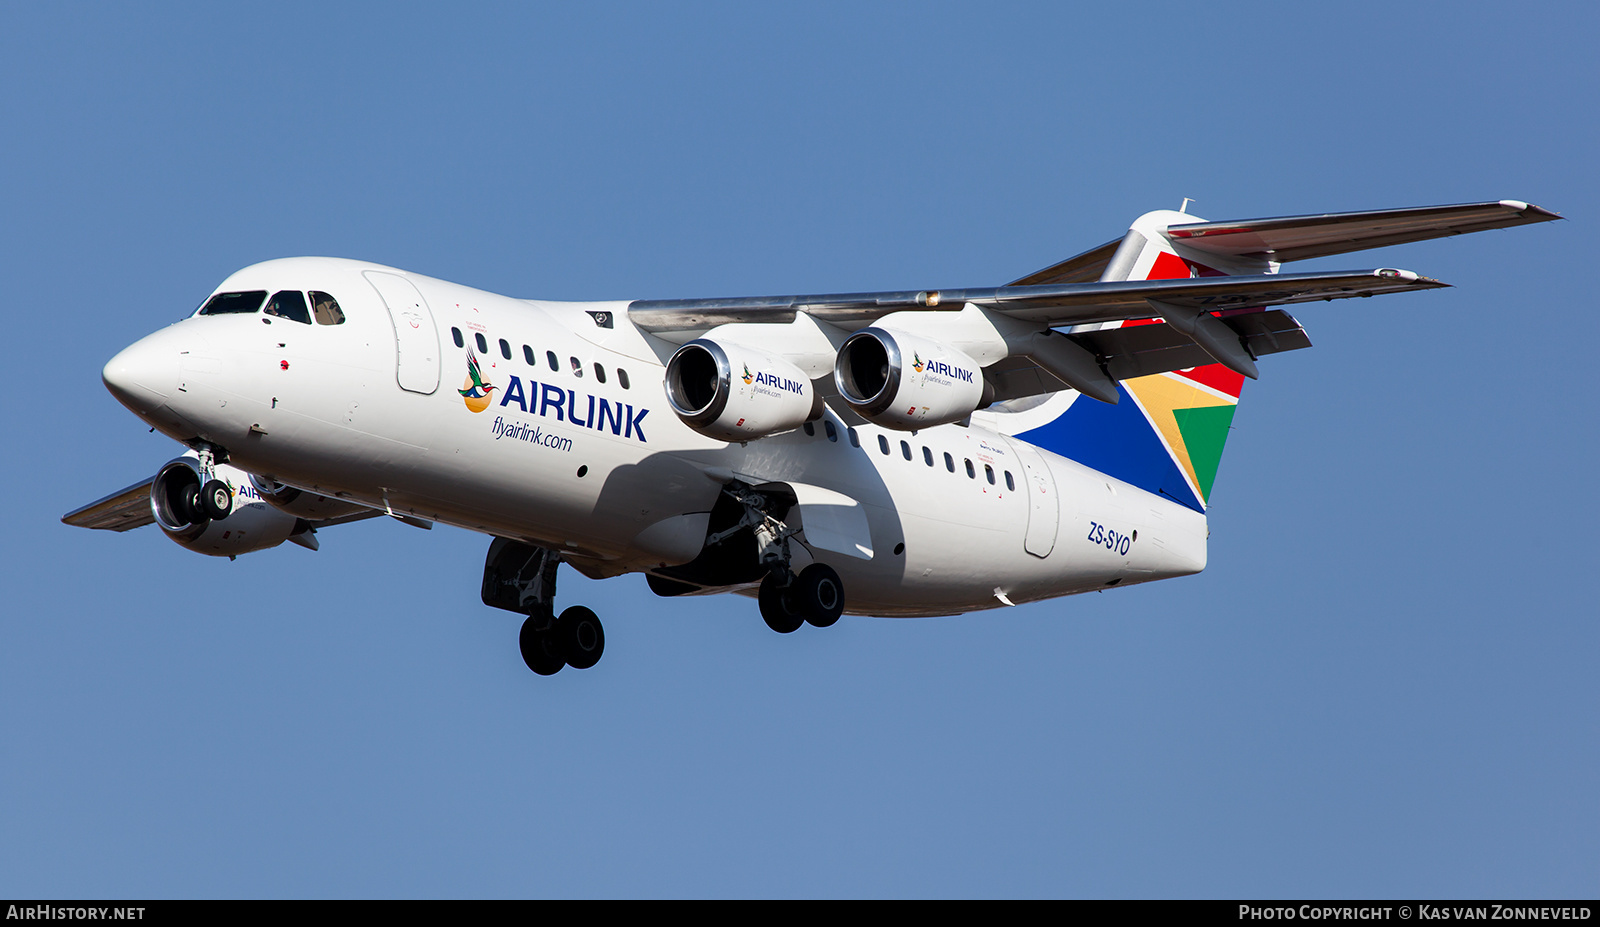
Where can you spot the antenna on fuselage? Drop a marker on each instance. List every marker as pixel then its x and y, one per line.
pixel 1185 207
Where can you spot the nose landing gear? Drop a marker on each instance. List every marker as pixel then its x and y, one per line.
pixel 521 578
pixel 216 500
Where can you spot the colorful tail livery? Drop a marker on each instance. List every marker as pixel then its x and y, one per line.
pixel 1166 432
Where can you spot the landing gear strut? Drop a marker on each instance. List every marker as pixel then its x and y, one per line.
pixel 521 578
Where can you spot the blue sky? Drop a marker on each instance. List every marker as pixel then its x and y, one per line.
pixel 1383 685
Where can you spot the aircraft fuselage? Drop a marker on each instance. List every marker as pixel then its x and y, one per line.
pixel 566 440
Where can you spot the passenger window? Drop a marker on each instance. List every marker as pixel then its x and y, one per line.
pixel 833 433
pixel 971 473
pixel 550 357
pixel 577 367
pixel 855 439
pixel 927 455
pixel 505 349
pixel 988 471
pixel 883 444
pixel 949 462
pixel 810 429
pixel 1009 484
pixel 456 334
pixel 327 311
pixel 599 373
pixel 291 305
pixel 622 377
pixel 905 450
pixel 483 343
pixel 230 303
pixel 527 355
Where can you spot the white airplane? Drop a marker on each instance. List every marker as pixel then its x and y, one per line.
pixel 897 454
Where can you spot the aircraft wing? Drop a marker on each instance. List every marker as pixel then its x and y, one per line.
pixel 120 511
pixel 1296 238
pixel 1054 304
pixel 129 508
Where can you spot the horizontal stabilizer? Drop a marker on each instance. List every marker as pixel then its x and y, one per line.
pixel 1296 238
pixel 1083 268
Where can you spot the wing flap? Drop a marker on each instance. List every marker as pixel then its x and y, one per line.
pixel 1141 350
pixel 1296 238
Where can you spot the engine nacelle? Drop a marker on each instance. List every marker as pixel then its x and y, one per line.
pixel 734 393
pixel 303 504
pixel 904 381
pixel 251 524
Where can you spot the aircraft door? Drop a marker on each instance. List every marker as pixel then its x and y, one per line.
pixel 415 336
pixel 1044 503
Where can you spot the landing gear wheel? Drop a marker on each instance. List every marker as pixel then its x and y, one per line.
pixel 541 645
pixel 582 638
pixel 186 505
pixel 818 595
pixel 216 500
pixel 778 606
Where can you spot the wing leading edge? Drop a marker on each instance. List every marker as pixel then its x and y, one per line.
pixel 681 320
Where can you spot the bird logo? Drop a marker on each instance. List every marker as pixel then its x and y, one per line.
pixel 916 362
pixel 748 376
pixel 474 390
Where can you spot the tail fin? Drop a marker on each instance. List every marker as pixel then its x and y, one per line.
pixel 1166 433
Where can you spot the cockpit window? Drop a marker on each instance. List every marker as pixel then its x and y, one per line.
pixel 289 304
pixel 225 303
pixel 326 309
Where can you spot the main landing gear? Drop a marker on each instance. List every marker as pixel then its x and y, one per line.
pixel 815 597
pixel 521 578
pixel 548 643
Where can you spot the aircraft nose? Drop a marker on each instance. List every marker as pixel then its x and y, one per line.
pixel 143 374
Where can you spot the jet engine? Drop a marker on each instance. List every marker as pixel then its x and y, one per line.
pixel 249 525
pixel 905 382
pixel 734 393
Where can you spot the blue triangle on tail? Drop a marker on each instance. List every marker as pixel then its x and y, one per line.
pixel 1118 441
